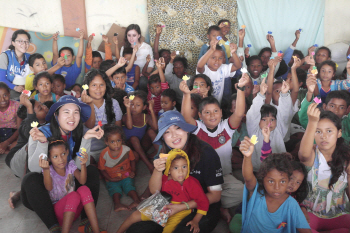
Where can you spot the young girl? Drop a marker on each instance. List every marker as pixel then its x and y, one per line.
pixel 270 208
pixel 9 122
pixel 117 166
pixel 43 84
pixel 325 83
pixel 201 84
pixel 59 181
pixel 225 26
pixel 135 123
pixel 104 109
pixel 328 165
pixel 178 183
pixel 58 85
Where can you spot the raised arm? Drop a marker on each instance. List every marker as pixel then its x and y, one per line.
pixel 152 121
pixel 289 52
pixel 237 64
pixel 204 59
pixel 294 92
pixel 80 53
pixel 81 175
pixel 121 63
pixel 88 51
pixel 270 80
pixel 155 182
pixel 160 64
pixel 306 151
pixel 44 164
pixel 145 67
pixel 236 118
pixel 186 103
pixel 85 98
pixel 108 50
pixel 247 149
pixel 127 118
pixel 59 64
pixel 132 59
pixel 156 42
pixel 54 48
pixel 117 53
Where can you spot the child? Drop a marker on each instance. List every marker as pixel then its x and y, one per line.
pixel 59 180
pixel 69 71
pixel 218 133
pixel 43 83
pixel 164 53
pixel 195 101
pixel 255 67
pixel 174 72
pixel 329 173
pixel 117 166
pixel 93 59
pixel 182 187
pixel 225 26
pixel 133 76
pixel 38 64
pixel 119 80
pixel 270 207
pixel 58 85
pixel 167 101
pixel 212 64
pixel 77 90
pixel 201 84
pixel 135 123
pixel 276 118
pixel 322 54
pixel 212 34
pixel 156 85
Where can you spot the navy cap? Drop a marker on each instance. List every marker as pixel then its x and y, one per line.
pixel 170 118
pixel 85 110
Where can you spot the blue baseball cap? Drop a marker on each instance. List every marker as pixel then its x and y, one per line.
pixel 168 119
pixel 85 110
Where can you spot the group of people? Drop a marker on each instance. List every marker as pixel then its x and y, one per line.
pixel 261 141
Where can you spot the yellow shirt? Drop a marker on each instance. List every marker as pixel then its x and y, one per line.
pixel 29 84
pixel 227 47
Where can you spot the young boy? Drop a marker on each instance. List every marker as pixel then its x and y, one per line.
pixel 69 71
pixel 38 64
pixel 93 58
pixel 117 166
pixel 133 76
pixel 76 90
pixel 212 34
pixel 212 65
pixel 58 85
pixel 167 101
pixel 177 182
pixel 119 80
pixel 277 118
pixel 218 134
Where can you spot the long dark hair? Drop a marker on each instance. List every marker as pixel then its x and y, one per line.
pixel 135 27
pixel 107 96
pixel 303 189
pixel 77 133
pixel 14 37
pixel 341 154
pixel 192 148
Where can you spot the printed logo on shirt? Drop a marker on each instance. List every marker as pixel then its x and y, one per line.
pixel 195 172
pixel 218 172
pixel 64 73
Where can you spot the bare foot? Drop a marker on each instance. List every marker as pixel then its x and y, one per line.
pixel 225 215
pixel 133 205
pixel 119 207
pixel 14 198
pixel 146 194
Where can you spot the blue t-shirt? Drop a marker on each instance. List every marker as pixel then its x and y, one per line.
pixel 69 73
pixel 131 75
pixel 256 217
pixel 128 88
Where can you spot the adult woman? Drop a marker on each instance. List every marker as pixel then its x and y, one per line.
pixel 174 132
pixel 133 38
pixel 66 119
pixel 14 63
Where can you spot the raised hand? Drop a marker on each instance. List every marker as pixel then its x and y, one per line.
pixel 310 60
pixel 61 61
pixel 84 158
pixel 159 29
pixel 81 33
pixel 92 133
pixel 126 102
pixel 310 50
pixel 285 87
pixel 313 113
pixel 297 34
pixel 297 62
pixel 19 88
pixel 213 44
pixel 246 147
pixel 115 40
pixel 173 55
pixel 241 34
pixel 90 38
pixel 256 89
pixel 311 83
pixel 105 38
pixel 55 36
pixel 151 104
pixel 148 58
pixel 85 98
pixel 159 164
pixel 263 87
pixel 37 135
pixel 270 39
pixel 246 52
pixel 184 88
pixel 233 48
pixel 44 164
pixel 243 80
pixel 121 61
pixel 24 100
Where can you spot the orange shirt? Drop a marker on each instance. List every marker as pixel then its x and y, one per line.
pixel 88 55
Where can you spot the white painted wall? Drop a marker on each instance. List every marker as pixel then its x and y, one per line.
pixel 46 16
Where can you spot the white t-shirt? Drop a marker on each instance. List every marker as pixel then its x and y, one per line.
pixel 141 55
pixel 220 140
pixel 218 79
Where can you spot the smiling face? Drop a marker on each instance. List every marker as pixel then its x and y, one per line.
pixel 44 86
pixel 21 43
pixel 321 56
pixel 226 29
pixel 255 67
pixel 175 137
pixel 97 88
pixel 58 157
pixel 166 103
pixel 326 135
pixel 114 142
pixel 4 99
pixel 326 73
pixel 276 183
pixel 70 57
pixel 133 37
pixel 179 69
pixel 40 110
pixel 265 121
pixel 38 66
pixel 216 60
pixel 211 115
pixel 295 181
pixel 58 87
pixel 337 106
pixel 68 117
pixel 178 170
pixel 137 106
pixel 265 57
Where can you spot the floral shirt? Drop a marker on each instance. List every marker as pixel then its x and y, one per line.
pixel 8 119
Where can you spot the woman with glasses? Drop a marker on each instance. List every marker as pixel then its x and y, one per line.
pixel 14 63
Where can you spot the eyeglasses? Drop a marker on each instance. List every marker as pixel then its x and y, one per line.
pixel 21 42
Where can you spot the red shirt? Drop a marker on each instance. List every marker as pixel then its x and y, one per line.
pixel 157 106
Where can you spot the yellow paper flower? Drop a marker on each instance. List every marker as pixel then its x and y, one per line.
pixel 83 149
pixel 132 97
pixel 336 66
pixel 34 124
pixel 314 71
pixel 295 57
pixel 254 139
pixel 226 23
pixel 185 78
pixel 85 87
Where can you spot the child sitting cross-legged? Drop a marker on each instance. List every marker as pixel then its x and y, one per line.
pixel 117 166
pixel 182 187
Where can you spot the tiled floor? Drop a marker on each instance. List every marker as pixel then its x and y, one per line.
pixel 24 220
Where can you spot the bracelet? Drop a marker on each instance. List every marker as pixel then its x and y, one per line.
pixel 188 207
pixel 241 88
pixel 44 141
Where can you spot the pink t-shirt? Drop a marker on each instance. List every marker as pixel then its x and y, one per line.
pixel 8 119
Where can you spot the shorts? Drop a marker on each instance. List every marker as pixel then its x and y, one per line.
pixel 125 185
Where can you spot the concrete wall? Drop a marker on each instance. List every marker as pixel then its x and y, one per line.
pixel 46 16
